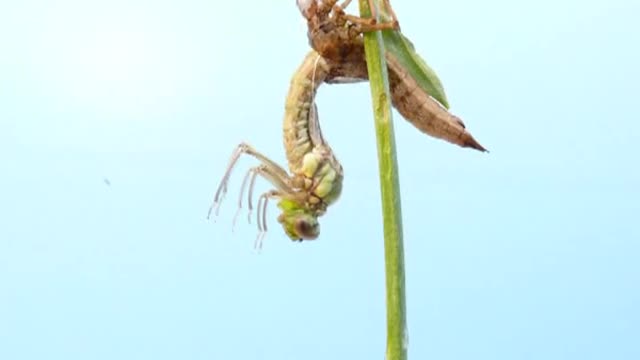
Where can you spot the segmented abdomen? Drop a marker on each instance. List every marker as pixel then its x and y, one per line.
pixel 300 117
pixel 309 156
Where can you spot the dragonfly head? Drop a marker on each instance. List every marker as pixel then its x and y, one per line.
pixel 299 222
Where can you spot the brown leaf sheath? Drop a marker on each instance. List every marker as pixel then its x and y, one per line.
pixel 340 43
pixel 416 106
pixel 423 111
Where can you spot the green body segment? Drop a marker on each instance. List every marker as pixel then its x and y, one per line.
pixel 327 179
pixel 300 114
pixel 309 156
pixel 316 173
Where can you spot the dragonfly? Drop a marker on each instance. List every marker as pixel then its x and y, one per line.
pixel 314 180
pixel 337 37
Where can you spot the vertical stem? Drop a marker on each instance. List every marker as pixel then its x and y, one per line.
pixel 390 189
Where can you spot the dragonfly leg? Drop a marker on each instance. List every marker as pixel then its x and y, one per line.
pixel 325 7
pixel 392 14
pixel 368 24
pixel 254 175
pixel 248 175
pixel 371 24
pixel 315 8
pixel 262 216
pixel 243 148
pixel 284 186
pixel 274 166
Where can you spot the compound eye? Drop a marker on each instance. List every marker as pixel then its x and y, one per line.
pixel 306 230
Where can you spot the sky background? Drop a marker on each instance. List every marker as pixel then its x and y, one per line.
pixel 529 252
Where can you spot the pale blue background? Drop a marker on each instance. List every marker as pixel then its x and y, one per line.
pixel 529 252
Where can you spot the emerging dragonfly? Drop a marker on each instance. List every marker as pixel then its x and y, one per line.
pixel 337 36
pixel 316 175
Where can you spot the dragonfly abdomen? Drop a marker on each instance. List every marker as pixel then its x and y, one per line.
pixel 301 128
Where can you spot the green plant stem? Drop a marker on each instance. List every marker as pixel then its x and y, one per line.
pixel 390 189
